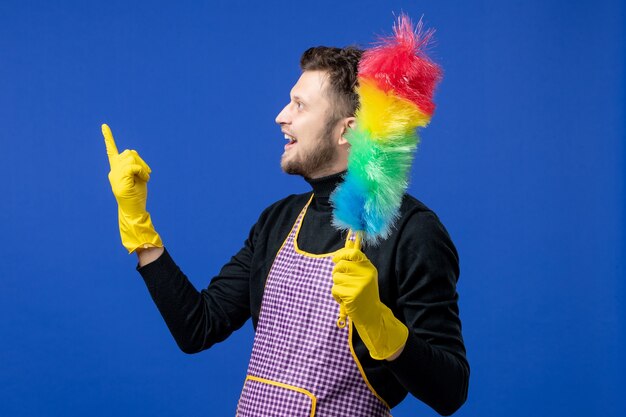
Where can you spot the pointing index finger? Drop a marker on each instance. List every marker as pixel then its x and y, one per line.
pixel 109 142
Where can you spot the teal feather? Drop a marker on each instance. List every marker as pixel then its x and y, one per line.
pixel 368 201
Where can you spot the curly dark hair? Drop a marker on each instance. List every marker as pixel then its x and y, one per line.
pixel 342 65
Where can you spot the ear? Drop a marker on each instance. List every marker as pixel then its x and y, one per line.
pixel 348 123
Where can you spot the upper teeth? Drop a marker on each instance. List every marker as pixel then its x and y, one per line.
pixel 289 138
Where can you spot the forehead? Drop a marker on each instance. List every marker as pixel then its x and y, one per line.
pixel 311 87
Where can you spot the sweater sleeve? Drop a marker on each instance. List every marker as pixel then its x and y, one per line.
pixel 433 366
pixel 199 319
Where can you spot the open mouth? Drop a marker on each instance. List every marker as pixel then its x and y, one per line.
pixel 291 141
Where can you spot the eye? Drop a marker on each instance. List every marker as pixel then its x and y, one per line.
pixel 299 105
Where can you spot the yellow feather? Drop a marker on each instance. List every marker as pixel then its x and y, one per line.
pixel 386 115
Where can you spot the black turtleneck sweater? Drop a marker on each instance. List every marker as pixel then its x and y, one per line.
pixel 417 268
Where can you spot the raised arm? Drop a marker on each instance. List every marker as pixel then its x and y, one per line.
pixel 196 319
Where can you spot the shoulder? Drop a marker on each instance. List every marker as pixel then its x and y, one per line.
pixel 420 228
pixel 278 217
pixel 416 214
pixel 411 204
pixel 417 230
pixel 285 206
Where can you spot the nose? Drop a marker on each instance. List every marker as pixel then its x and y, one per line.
pixel 283 116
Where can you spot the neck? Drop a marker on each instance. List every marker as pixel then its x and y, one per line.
pixel 327 172
pixel 324 186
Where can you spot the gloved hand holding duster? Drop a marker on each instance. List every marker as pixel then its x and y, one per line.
pixel 356 290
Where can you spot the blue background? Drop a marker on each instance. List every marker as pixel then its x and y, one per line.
pixel 524 162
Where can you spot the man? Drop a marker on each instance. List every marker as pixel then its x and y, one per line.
pixel 292 273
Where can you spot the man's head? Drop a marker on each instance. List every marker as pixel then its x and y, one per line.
pixel 321 109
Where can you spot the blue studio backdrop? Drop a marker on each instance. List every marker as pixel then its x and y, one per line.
pixel 524 162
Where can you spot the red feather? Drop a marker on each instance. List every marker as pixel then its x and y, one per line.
pixel 400 64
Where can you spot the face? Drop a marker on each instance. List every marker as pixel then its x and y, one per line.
pixel 314 147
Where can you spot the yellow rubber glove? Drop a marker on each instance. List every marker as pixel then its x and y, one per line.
pixel 129 176
pixel 356 290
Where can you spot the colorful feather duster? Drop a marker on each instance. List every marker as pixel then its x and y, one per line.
pixel 396 85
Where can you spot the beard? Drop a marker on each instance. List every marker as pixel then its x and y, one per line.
pixel 313 159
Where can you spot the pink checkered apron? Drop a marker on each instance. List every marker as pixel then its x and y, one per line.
pixel 301 363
